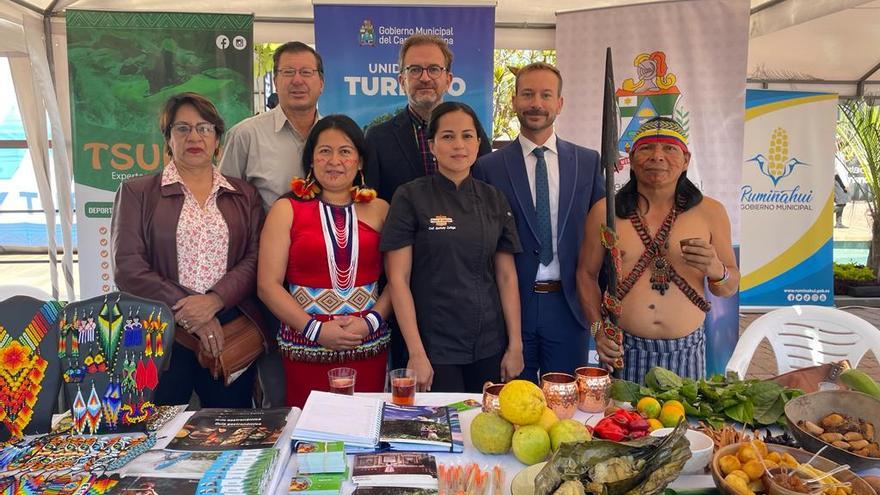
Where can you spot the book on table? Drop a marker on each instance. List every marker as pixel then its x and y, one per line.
pixel 367 424
pixel 395 469
pixel 231 429
pixel 319 457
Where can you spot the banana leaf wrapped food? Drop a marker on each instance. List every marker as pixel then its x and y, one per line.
pixel 601 467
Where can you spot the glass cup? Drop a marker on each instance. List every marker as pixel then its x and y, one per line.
pixel 403 386
pixel 342 380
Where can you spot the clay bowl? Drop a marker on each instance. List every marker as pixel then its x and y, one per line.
pixel 815 406
pixel 859 486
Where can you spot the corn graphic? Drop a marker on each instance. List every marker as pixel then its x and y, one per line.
pixel 777 154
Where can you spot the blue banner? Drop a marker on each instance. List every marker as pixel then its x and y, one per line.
pixel 360 47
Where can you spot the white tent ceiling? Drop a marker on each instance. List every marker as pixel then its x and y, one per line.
pixel 807 44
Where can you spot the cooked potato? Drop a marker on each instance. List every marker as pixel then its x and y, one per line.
pixel 832 420
pixel 729 464
pixel 831 437
pixel 859 445
pixel 738 484
pixel 812 428
pixel 842 445
pixel 789 460
pixel 852 436
pixel 746 453
pixel 774 457
pixel 760 446
pixel 754 469
pixel 742 474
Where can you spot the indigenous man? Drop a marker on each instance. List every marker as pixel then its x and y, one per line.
pixel 672 239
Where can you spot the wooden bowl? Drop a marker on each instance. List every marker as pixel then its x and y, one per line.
pixel 859 486
pixel 815 406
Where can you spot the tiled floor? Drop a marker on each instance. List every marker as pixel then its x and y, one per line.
pixel 764 363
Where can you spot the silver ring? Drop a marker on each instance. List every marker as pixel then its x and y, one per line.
pixel 210 336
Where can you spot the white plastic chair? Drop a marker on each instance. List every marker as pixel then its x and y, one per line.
pixel 7 291
pixel 803 336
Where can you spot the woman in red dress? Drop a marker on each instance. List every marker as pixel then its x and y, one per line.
pixel 322 240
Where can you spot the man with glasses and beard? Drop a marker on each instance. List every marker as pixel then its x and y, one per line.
pixel 397 149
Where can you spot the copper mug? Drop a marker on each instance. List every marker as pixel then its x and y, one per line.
pixel 594 388
pixel 490 397
pixel 561 392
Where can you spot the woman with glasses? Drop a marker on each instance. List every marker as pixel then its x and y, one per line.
pixel 188 237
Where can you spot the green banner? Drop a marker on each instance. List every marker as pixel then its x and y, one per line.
pixel 123 67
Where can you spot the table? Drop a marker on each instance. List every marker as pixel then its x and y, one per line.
pixel 508 462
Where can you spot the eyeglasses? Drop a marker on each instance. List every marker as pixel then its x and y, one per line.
pixel 304 72
pixel 204 129
pixel 415 71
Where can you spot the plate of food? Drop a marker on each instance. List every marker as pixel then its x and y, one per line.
pixel 644 466
pixel 842 421
pixel 739 469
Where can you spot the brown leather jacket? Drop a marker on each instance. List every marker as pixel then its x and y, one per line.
pixel 144 234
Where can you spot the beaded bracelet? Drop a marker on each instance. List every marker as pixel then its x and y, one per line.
pixel 723 280
pixel 312 330
pixel 374 321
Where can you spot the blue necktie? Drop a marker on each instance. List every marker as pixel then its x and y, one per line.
pixel 542 208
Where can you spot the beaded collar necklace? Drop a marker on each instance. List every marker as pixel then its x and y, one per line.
pixel 22 369
pixel 339 226
pixel 654 257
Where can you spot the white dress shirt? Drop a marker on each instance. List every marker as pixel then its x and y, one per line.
pixel 551 157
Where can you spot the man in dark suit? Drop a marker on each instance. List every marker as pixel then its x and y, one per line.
pixel 397 149
pixel 551 185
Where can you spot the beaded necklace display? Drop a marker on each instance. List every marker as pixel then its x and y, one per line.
pixel 339 226
pixel 654 257
pixel 22 369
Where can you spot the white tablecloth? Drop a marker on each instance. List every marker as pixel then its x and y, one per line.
pixel 508 462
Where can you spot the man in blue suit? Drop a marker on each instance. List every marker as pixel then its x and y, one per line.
pixel 551 185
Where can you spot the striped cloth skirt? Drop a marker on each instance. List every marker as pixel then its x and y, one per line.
pixel 685 356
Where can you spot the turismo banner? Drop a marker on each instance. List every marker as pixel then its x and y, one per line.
pixel 787 198
pixel 683 60
pixel 360 46
pixel 123 67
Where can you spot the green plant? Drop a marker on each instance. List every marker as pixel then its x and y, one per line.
pixel 858 133
pixel 852 271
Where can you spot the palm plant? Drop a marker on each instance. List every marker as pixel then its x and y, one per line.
pixel 858 132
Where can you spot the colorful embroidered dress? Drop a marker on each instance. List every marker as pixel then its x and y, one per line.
pixel 323 285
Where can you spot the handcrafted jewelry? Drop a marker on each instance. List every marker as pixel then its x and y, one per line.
pixel 148 339
pixel 306 188
pixel 140 375
pixel 109 330
pixel 93 411
pixel 658 247
pixel 128 371
pixel 339 227
pixel 78 411
pixel 112 404
pixel 151 380
pixel 133 331
pixel 22 369
pixel 87 333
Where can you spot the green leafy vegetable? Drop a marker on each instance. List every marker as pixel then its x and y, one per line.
pixel 714 399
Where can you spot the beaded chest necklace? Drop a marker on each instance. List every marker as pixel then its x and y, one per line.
pixel 655 258
pixel 22 369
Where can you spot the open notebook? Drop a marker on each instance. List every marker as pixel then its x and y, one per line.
pixel 367 424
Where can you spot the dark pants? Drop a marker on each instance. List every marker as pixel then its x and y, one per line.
pixel 553 340
pixel 185 374
pixel 466 377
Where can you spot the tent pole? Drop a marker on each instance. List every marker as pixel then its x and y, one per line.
pixel 28 5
